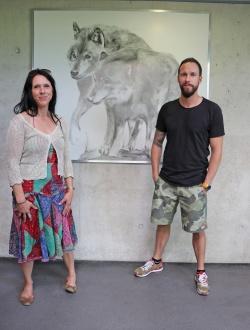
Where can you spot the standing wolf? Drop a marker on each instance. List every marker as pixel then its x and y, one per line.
pixel 132 92
pixel 95 47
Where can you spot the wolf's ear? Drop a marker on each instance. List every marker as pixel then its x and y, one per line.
pixel 76 30
pixel 97 37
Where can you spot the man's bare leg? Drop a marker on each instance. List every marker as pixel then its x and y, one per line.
pixel 155 265
pixel 201 279
pixel 199 245
pixel 162 237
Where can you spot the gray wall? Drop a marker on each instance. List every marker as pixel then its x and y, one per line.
pixel 112 202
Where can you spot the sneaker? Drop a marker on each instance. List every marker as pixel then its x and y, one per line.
pixel 201 281
pixel 147 268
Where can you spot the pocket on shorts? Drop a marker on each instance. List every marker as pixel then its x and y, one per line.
pixel 201 191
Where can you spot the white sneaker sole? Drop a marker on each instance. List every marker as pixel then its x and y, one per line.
pixel 200 292
pixel 152 271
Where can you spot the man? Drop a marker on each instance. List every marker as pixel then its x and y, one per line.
pixel 192 125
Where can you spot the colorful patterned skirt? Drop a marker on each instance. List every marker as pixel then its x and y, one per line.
pixel 48 233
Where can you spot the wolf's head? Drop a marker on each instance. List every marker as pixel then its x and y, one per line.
pixel 98 42
pixel 87 51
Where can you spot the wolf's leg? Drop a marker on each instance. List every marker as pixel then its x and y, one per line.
pixel 83 105
pixel 149 132
pixel 133 134
pixel 110 132
pixel 118 139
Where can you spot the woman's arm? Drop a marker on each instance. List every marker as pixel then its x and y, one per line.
pixel 15 145
pixel 68 173
pixel 67 199
pixel 68 168
pixel 23 206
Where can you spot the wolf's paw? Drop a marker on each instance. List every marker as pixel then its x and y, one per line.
pixel 104 150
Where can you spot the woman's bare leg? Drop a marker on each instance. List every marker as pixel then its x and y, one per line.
pixel 27 268
pixel 68 258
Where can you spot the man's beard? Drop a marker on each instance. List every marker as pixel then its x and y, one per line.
pixel 190 92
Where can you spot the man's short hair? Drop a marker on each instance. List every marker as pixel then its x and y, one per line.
pixel 191 60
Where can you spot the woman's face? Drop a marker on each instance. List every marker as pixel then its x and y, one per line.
pixel 42 91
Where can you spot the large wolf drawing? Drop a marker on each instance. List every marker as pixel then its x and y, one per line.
pixel 139 80
pixel 92 45
pixel 132 92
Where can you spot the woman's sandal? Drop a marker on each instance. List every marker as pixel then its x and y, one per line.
pixel 70 288
pixel 26 301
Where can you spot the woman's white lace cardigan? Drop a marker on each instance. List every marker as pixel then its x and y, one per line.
pixel 27 151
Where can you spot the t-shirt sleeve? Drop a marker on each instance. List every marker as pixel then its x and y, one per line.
pixel 160 124
pixel 216 122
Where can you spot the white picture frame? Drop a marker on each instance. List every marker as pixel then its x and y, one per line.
pixel 103 133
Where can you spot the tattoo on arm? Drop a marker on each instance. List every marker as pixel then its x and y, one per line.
pixel 159 138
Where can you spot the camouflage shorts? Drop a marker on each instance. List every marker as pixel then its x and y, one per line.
pixel 193 205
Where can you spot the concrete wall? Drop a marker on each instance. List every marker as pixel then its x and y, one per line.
pixel 112 201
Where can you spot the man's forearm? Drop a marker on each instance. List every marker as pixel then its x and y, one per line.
pixel 155 160
pixel 214 163
pixel 156 153
pixel 215 159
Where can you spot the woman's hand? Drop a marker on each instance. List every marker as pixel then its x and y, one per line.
pixel 67 200
pixel 24 210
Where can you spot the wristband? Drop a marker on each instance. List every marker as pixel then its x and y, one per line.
pixel 70 188
pixel 19 203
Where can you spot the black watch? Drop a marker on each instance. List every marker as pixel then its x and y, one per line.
pixel 206 186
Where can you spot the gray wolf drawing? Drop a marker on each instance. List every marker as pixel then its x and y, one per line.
pixel 118 69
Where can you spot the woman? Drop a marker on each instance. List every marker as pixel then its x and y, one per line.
pixel 41 176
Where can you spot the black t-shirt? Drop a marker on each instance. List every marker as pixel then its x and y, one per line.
pixel 188 131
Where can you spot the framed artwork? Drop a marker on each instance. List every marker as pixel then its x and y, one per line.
pixel 114 70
